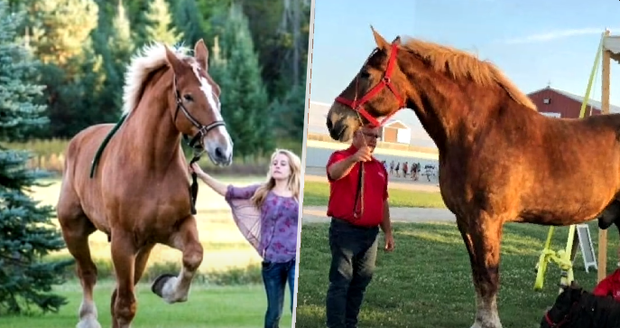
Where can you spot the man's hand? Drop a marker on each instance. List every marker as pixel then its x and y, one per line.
pixel 362 155
pixel 389 242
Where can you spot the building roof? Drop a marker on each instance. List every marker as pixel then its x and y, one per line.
pixel 399 123
pixel 592 103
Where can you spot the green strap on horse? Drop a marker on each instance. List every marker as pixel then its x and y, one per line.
pixel 193 190
pixel 104 143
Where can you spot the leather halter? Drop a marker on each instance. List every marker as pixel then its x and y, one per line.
pixel 203 130
pixel 386 81
pixel 564 320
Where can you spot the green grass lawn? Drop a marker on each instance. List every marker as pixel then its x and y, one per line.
pixel 317 194
pixel 225 307
pixel 426 281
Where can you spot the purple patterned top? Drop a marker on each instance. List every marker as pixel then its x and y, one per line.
pixel 272 231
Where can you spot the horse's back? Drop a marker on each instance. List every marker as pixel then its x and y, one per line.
pixel 83 146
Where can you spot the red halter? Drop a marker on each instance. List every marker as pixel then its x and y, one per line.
pixel 564 320
pixel 386 81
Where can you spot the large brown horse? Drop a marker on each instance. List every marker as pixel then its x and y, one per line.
pixel 139 195
pixel 499 159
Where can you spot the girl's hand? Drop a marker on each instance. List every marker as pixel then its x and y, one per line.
pixel 196 168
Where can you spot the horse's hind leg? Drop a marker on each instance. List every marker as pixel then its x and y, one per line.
pixel 176 288
pixel 482 236
pixel 76 228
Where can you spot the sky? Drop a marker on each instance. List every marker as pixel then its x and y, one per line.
pixel 536 43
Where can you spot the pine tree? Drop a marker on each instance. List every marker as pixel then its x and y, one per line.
pixel 120 38
pixel 245 104
pixel 290 111
pixel 26 230
pixel 159 28
pixel 117 54
pixel 62 38
pixel 187 18
pixel 61 27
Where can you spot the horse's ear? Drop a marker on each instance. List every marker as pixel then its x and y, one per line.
pixel 201 53
pixel 174 61
pixel 396 40
pixel 379 40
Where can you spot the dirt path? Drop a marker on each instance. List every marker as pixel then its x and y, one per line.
pixel 316 214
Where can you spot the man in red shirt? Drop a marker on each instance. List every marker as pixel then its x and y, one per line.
pixel 610 286
pixel 357 211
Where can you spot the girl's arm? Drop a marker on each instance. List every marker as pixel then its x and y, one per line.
pixel 230 192
pixel 216 185
pixel 246 192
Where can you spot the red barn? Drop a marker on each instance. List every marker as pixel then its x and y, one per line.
pixel 557 103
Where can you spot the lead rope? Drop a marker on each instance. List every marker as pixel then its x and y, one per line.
pixel 359 194
pixel 193 189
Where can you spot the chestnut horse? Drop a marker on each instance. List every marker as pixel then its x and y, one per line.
pixel 499 159
pixel 140 195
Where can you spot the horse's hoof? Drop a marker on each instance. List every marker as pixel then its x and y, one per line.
pixel 90 322
pixel 158 284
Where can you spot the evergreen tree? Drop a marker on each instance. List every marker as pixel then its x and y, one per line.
pixel 187 18
pixel 245 104
pixel 159 28
pixel 120 38
pixel 26 231
pixel 62 38
pixel 61 27
pixel 117 55
pixel 290 111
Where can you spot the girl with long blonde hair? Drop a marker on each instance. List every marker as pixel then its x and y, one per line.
pixel 267 215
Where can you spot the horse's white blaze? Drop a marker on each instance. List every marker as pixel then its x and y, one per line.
pixel 207 89
pixel 225 141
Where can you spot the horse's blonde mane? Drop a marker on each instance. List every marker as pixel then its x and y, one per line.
pixel 462 65
pixel 150 58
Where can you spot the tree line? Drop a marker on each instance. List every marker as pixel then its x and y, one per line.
pixel 258 56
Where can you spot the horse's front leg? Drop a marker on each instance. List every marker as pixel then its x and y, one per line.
pixel 176 288
pixel 482 235
pixel 124 305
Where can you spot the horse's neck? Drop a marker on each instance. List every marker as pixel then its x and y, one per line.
pixel 450 118
pixel 150 134
pixel 431 110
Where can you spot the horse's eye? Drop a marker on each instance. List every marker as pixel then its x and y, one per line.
pixel 364 74
pixel 188 97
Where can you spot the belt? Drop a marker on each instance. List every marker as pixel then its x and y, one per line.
pixel 351 224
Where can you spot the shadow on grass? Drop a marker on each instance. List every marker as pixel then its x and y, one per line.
pixel 426 281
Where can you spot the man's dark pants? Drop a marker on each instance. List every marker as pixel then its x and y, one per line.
pixel 354 251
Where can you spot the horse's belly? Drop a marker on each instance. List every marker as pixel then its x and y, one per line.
pixel 563 212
